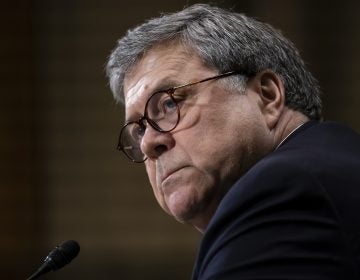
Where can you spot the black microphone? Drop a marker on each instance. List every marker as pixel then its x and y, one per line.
pixel 61 255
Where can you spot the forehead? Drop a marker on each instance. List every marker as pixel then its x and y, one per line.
pixel 161 67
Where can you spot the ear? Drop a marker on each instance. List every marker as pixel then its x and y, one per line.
pixel 272 96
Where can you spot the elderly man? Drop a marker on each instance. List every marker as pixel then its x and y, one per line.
pixel 226 118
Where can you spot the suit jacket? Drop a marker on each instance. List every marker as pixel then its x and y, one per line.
pixel 293 215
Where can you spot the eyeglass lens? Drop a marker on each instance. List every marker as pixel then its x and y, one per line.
pixel 161 112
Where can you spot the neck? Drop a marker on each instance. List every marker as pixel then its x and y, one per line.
pixel 288 122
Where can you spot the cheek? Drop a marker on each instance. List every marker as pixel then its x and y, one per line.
pixel 150 169
pixel 151 172
pixel 223 143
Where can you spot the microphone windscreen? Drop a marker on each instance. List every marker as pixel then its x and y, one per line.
pixel 63 254
pixel 70 248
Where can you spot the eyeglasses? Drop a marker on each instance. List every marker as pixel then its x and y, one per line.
pixel 162 113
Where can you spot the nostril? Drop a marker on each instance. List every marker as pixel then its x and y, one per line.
pixel 160 149
pixel 155 143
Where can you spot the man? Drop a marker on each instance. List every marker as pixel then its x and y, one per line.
pixel 226 118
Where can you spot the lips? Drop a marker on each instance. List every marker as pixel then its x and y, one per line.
pixel 167 173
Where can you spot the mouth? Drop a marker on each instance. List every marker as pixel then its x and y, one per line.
pixel 169 173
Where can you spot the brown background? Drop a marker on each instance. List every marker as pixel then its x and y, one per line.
pixel 60 175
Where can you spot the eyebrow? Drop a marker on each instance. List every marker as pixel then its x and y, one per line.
pixel 165 85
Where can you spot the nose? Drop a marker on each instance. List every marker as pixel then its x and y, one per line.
pixel 155 143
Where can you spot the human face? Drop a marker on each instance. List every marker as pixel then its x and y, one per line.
pixel 219 136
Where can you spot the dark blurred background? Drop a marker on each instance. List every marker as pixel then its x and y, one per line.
pixel 60 175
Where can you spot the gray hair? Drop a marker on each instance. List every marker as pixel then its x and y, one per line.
pixel 225 41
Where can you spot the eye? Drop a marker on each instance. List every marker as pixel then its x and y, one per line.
pixel 168 105
pixel 137 131
pixel 160 105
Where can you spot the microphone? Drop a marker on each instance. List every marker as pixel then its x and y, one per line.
pixel 61 255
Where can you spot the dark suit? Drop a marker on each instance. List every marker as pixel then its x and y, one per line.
pixel 293 215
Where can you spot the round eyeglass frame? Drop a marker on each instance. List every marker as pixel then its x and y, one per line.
pixel 153 124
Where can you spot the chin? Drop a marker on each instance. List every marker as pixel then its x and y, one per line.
pixel 183 212
pixel 185 209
